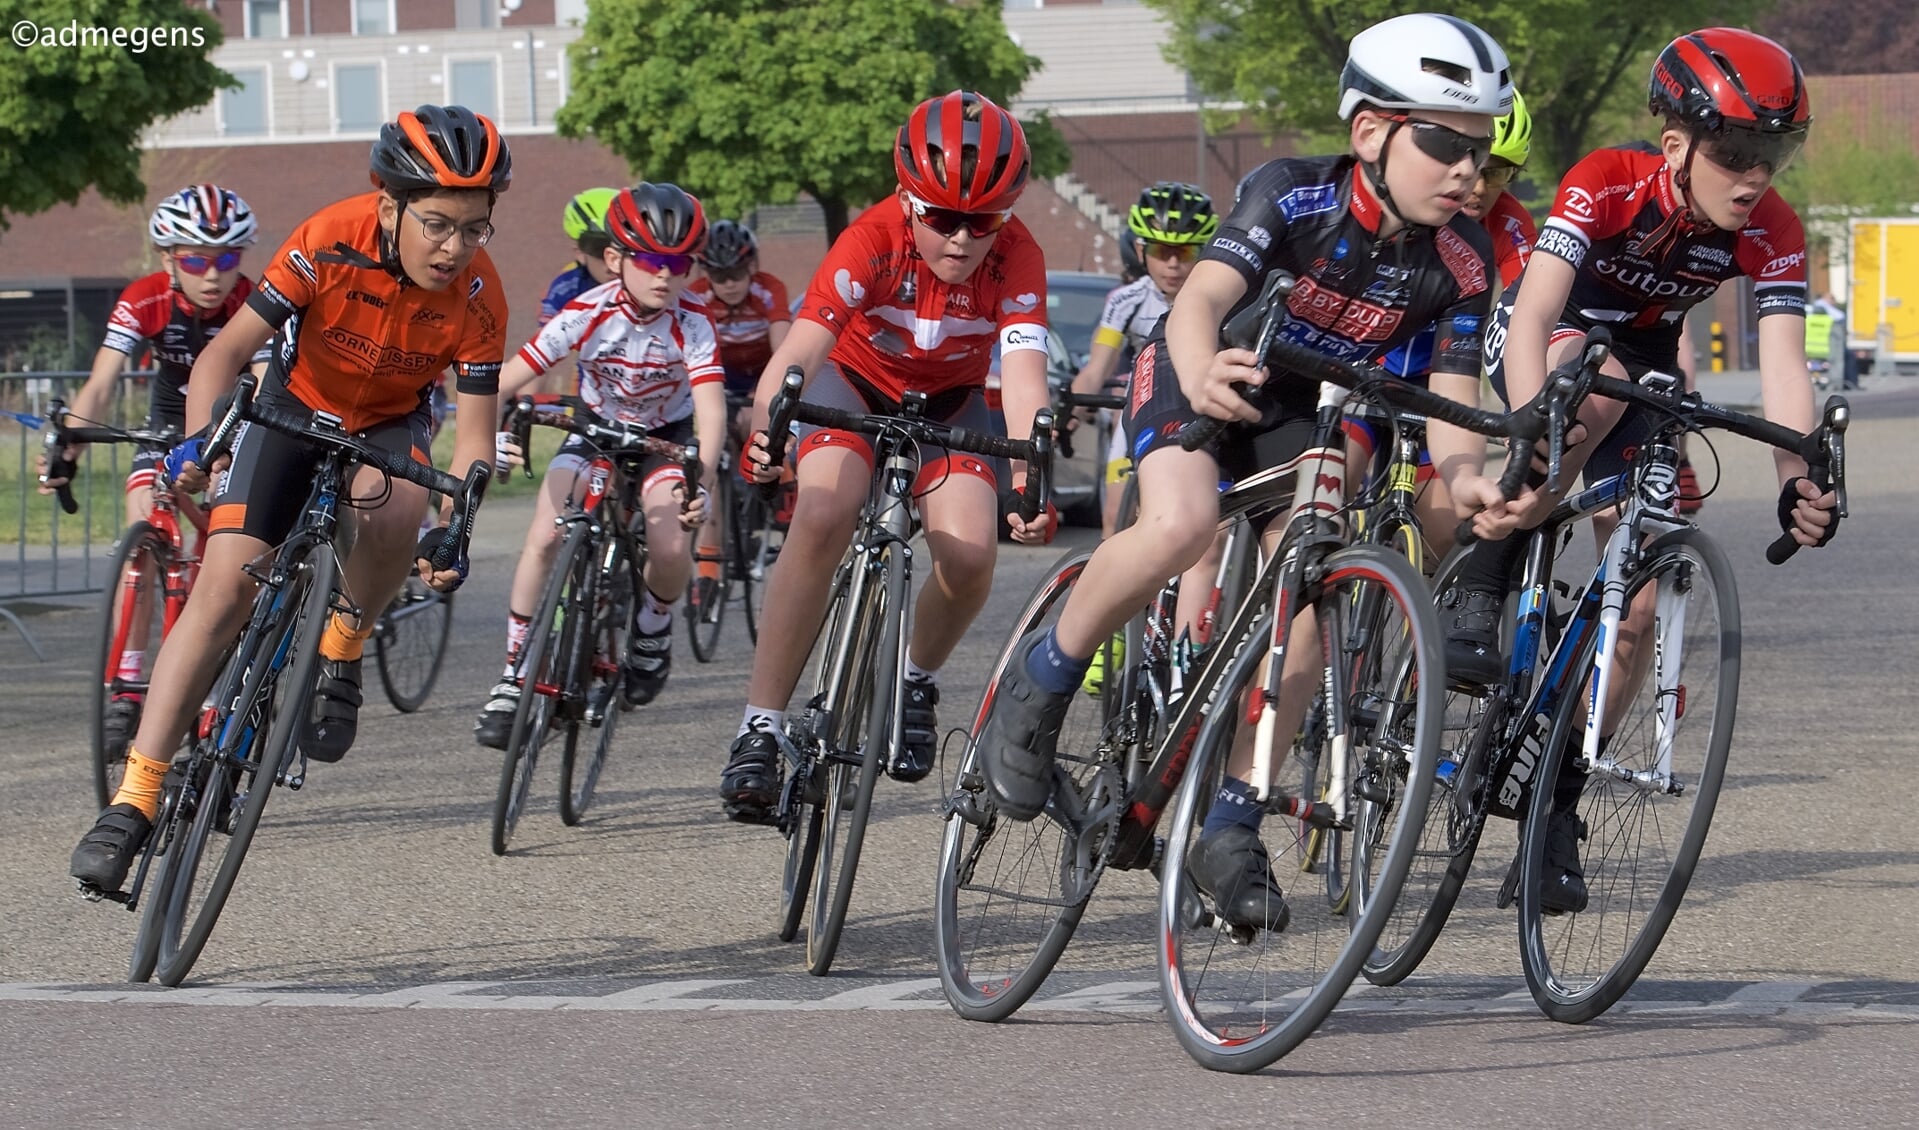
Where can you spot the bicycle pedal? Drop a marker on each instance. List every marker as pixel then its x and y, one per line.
pixel 294 774
pixel 1509 890
pixel 94 894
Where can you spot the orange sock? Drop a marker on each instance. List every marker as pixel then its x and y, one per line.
pixel 341 643
pixel 143 783
pixel 708 564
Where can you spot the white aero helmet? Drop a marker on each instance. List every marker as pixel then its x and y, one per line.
pixel 1426 61
pixel 203 215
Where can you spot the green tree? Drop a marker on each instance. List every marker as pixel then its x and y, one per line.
pixel 744 102
pixel 1582 66
pixel 75 99
pixel 1849 169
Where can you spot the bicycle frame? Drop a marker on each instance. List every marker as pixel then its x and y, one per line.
pixel 601 478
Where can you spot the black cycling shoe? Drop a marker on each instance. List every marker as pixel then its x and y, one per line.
pixel 1232 867
pixel 1472 636
pixel 919 732
pixel 106 852
pixel 496 717
pixel 649 659
pixel 1564 890
pixel 118 725
pixel 750 783
pixel 1020 740
pixel 336 710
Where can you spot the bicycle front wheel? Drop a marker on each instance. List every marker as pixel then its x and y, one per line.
pixel 1240 996
pixel 601 672
pixel 1644 808
pixel 868 723
pixel 541 669
pixel 271 713
pixel 711 585
pixel 132 622
pixel 409 643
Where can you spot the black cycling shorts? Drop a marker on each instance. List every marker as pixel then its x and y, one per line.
pixel 1157 411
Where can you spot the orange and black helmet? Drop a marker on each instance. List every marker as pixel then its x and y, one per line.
pixel 660 219
pixel 441 147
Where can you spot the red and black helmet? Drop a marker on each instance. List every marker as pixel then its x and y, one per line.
pixel 1722 78
pixel 662 219
pixel 440 147
pixel 961 151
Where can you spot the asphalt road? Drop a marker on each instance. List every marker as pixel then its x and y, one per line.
pixel 378 966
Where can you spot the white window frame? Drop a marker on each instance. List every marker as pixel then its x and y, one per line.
pixel 498 110
pixel 333 82
pixel 246 9
pixel 392 17
pixel 220 105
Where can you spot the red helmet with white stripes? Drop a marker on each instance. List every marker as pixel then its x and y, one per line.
pixel 961 151
pixel 203 215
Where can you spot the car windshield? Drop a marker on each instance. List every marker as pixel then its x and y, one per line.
pixel 1073 310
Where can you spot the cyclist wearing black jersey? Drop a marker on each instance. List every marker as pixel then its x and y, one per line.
pixel 1380 251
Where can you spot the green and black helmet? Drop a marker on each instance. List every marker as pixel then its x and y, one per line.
pixel 1173 212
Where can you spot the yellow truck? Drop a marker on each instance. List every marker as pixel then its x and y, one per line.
pixel 1882 323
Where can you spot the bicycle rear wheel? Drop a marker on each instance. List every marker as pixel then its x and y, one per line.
pixel 276 689
pixel 541 668
pixel 612 616
pixel 1647 810
pixel 409 643
pixel 707 596
pixel 132 623
pixel 1010 894
pixel 1241 997
pixel 868 726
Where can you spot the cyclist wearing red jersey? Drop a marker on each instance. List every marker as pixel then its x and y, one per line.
pixel 1634 241
pixel 646 357
pixel 366 303
pixel 913 295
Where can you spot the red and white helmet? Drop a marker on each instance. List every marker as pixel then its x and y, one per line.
pixel 203 215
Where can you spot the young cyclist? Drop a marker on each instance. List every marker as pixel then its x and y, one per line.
pixel 366 303
pixel 1379 250
pixel 585 223
pixel 913 295
pixel 646 357
pixel 201 232
pixel 1634 240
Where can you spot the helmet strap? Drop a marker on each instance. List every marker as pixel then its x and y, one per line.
pixel 390 243
pixel 1376 172
pixel 1682 180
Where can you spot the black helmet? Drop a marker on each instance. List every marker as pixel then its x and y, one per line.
pixel 659 218
pixel 440 147
pixel 1173 212
pixel 729 243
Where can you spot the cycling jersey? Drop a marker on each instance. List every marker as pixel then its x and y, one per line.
pixel 363 344
pixel 1513 232
pixel 1357 296
pixel 1131 313
pixel 151 311
pixel 899 327
pixel 745 331
pixel 1642 261
pixel 566 286
pixel 635 367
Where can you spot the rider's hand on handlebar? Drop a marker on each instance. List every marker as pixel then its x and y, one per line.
pixel 1043 527
pixel 1213 393
pixel 1813 516
pixel 693 510
pixel 757 466
pixel 60 476
pixel 507 452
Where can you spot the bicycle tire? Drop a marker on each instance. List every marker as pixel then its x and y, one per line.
pixel 742 564
pixel 883 643
pixel 409 643
pixel 612 617
pixel 1692 551
pixel 141 540
pixel 804 816
pixel 284 713
pixel 706 602
pixel 1212 1036
pixel 532 719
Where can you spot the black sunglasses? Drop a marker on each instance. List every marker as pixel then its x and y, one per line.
pixel 1447 145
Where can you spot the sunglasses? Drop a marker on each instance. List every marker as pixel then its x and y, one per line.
pixel 201 264
pixel 652 264
pixel 1171 252
pixel 1499 176
pixel 729 274
pixel 946 221
pixel 1447 145
pixel 1742 150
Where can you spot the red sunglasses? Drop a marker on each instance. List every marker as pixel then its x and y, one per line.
pixel 652 264
pixel 945 221
pixel 199 264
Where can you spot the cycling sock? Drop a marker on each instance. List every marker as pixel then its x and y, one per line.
pixel 760 718
pixel 919 674
pixel 516 629
pixel 143 784
pixel 654 615
pixel 130 664
pixel 1489 565
pixel 707 561
pixel 1234 804
pixel 1055 671
pixel 341 643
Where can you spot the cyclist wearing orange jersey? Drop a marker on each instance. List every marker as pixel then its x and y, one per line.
pixel 366 303
pixel 913 295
